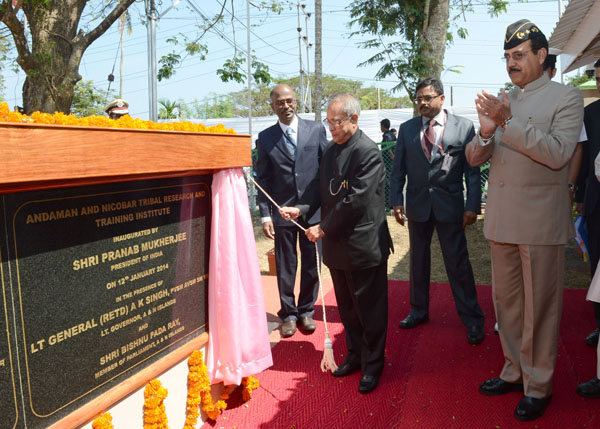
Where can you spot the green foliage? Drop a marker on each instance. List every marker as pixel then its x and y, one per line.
pixel 167 64
pixel 89 100
pixel 399 30
pixel 168 109
pixel 211 106
pixel 4 48
pixel 577 80
pixel 261 72
pixel 508 86
pixel 232 68
pixel 331 85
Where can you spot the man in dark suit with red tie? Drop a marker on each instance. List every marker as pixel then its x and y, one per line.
pixel 289 154
pixel 430 153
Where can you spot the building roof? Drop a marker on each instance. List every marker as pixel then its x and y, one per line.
pixel 577 34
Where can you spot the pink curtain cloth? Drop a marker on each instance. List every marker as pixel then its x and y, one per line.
pixel 238 344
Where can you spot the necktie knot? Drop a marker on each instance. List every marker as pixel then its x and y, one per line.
pixel 432 123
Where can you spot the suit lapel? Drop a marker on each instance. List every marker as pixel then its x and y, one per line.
pixel 280 143
pixel 449 131
pixel 418 125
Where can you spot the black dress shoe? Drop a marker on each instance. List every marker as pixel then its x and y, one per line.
pixel 346 368
pixel 307 324
pixel 367 383
pixel 589 389
pixel 288 328
pixel 530 408
pixel 497 386
pixel 475 335
pixel 412 321
pixel 592 339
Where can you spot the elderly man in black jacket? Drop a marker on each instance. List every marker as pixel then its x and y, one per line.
pixel 356 239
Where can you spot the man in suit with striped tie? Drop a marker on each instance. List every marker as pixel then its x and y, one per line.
pixel 289 153
pixel 430 152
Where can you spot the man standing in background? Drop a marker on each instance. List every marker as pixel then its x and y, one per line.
pixel 430 152
pixel 289 153
pixel 587 196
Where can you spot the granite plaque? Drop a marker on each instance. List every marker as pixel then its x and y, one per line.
pixel 8 386
pixel 106 279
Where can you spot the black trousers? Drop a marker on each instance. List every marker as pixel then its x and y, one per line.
pixel 592 222
pixel 362 299
pixel 286 262
pixel 458 268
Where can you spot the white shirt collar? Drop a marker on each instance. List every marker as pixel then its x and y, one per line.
pixel 440 118
pixel 293 125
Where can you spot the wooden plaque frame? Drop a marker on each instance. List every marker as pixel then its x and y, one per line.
pixel 39 156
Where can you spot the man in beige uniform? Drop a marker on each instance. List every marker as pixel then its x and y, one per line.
pixel 529 135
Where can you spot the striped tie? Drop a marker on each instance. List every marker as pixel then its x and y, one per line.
pixel 290 141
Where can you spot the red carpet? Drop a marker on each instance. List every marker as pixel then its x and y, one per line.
pixel 431 377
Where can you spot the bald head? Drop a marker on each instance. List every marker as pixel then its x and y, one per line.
pixel 283 103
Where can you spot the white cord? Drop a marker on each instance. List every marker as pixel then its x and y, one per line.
pixel 317 257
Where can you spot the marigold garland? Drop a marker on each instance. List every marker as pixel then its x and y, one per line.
pixel 103 421
pixel 199 392
pixel 249 383
pixel 155 416
pixel 126 121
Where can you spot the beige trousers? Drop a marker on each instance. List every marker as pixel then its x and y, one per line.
pixel 527 285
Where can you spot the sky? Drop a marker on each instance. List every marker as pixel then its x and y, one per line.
pixel 274 40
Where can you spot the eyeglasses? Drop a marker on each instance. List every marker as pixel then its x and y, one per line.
pixel 517 55
pixel 426 98
pixel 334 122
pixel 281 103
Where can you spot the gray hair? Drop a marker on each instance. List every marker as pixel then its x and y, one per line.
pixel 349 102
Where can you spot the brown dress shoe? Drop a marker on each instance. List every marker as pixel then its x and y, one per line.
pixel 307 324
pixel 288 328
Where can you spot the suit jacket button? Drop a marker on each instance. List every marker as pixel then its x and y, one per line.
pixel 501 184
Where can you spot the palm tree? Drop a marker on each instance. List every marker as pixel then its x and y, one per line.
pixel 167 109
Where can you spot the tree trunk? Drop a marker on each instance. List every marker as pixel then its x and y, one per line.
pixel 434 37
pixel 318 93
pixel 52 63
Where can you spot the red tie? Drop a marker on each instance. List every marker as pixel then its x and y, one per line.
pixel 428 139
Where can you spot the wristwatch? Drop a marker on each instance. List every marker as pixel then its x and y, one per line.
pixel 572 187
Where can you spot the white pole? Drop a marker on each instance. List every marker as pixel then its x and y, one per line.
pixel 300 58
pixel 559 65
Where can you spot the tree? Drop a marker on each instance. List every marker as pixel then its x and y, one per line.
pixel 89 100
pixel 577 80
pixel 168 109
pixel 191 45
pixel 331 85
pixel 411 34
pixel 50 44
pixel 211 106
